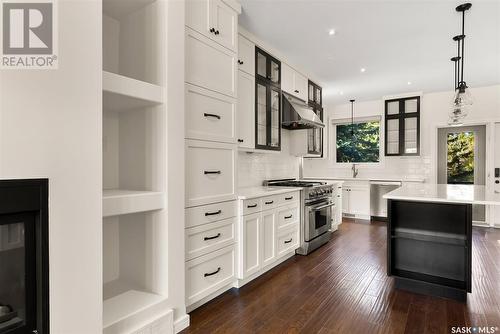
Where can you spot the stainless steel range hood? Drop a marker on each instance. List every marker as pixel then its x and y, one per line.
pixel 297 115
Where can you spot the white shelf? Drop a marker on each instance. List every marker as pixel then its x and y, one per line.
pixel 119 202
pixel 122 93
pixel 131 310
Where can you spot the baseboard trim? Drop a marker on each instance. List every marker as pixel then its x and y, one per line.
pixel 181 323
pixel 241 282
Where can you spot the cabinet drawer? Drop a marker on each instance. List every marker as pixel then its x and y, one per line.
pixel 269 202
pixel 251 206
pixel 288 216
pixel 210 172
pixel 210 213
pixel 288 241
pixel 209 115
pixel 207 238
pixel 209 64
pixel 208 273
pixel 288 198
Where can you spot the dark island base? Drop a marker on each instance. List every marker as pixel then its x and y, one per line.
pixel 429 247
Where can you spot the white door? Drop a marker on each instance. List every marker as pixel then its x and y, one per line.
pixel 496 188
pixel 225 22
pixel 250 245
pixel 246 110
pixel 268 237
pixel 246 55
pixel 345 200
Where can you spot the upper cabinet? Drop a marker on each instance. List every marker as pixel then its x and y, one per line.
pixel 215 19
pixel 246 55
pixel 294 83
pixel 315 137
pixel 268 68
pixel 402 126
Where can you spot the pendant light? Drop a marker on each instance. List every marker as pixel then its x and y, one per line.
pixel 462 99
pixel 352 119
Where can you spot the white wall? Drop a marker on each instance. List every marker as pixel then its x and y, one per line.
pixel 434 112
pixel 50 126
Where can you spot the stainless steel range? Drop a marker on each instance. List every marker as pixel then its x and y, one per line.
pixel 317 203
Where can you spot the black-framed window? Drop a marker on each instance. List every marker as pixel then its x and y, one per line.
pixel 315 136
pixel 267 101
pixel 402 126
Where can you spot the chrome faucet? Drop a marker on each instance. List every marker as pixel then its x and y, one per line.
pixel 355 171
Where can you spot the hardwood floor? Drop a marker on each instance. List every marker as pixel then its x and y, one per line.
pixel 343 288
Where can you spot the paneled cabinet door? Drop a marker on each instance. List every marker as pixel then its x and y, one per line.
pixel 345 200
pixel 287 74
pixel 300 86
pixel 225 22
pixel 268 237
pixel 250 259
pixel 359 201
pixel 246 55
pixel 246 110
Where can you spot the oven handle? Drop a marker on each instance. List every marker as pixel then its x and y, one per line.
pixel 322 207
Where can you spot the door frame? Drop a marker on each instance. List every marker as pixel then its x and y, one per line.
pixel 488 163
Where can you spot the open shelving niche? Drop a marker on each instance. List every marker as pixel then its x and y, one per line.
pixel 134 165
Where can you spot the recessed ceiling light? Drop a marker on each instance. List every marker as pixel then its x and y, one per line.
pixel 363 70
pixel 409 82
pixel 341 93
pixel 331 32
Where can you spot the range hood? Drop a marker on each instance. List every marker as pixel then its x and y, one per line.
pixel 297 115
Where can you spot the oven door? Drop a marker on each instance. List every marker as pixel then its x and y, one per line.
pixel 318 218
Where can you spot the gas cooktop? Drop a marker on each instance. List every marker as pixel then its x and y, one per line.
pixel 293 183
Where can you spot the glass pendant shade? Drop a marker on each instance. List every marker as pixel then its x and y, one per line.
pixel 462 97
pixel 453 121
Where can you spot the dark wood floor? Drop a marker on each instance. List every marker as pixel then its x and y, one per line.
pixel 343 288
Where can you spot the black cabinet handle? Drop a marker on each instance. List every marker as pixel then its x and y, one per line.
pixel 271 202
pixel 338 196
pixel 211 115
pixel 288 198
pixel 212 172
pixel 211 238
pixel 288 241
pixel 212 30
pixel 216 32
pixel 213 213
pixel 288 217
pixel 242 62
pixel 213 273
pixel 296 91
pixel 240 140
pixel 339 187
pixel 252 206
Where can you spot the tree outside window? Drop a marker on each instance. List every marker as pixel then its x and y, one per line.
pixel 358 142
pixel 460 158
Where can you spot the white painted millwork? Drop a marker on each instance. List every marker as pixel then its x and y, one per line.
pixel 209 115
pixel 288 216
pixel 209 16
pixel 209 64
pixel 120 202
pixel 246 55
pixel 246 110
pixel 208 273
pixel 210 172
pixel 210 213
pixel 288 241
pixel 203 239
pixel 293 82
pixel 249 244
pixel 356 199
pixel 268 236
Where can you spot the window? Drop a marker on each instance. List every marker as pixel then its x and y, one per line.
pixel 358 143
pixel 402 126
pixel 460 158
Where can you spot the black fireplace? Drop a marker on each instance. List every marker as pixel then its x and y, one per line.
pixel 24 266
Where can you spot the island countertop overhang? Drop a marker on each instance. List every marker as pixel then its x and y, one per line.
pixel 444 193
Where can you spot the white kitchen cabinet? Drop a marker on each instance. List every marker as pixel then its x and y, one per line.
pixel 293 82
pixel 250 260
pixel 246 110
pixel 356 199
pixel 246 55
pixel 210 65
pixel 214 19
pixel 268 237
pixel 288 241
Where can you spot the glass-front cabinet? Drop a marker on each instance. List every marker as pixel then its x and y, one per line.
pixel 267 101
pixel 402 126
pixel 315 136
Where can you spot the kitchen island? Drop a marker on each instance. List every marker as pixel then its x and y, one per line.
pixel 429 237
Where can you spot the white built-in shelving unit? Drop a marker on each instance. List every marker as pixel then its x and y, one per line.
pixel 134 166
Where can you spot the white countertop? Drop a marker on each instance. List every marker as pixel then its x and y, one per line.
pixel 444 193
pixel 254 192
pixel 401 179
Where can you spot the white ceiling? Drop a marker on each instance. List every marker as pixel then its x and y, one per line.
pixel 397 41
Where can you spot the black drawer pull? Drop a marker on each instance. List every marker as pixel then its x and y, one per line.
pixel 288 217
pixel 271 202
pixel 296 91
pixel 339 187
pixel 338 196
pixel 213 213
pixel 240 140
pixel 211 115
pixel 216 32
pixel 252 206
pixel 211 238
pixel 212 30
pixel 288 198
pixel 211 274
pixel 288 241
pixel 212 172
